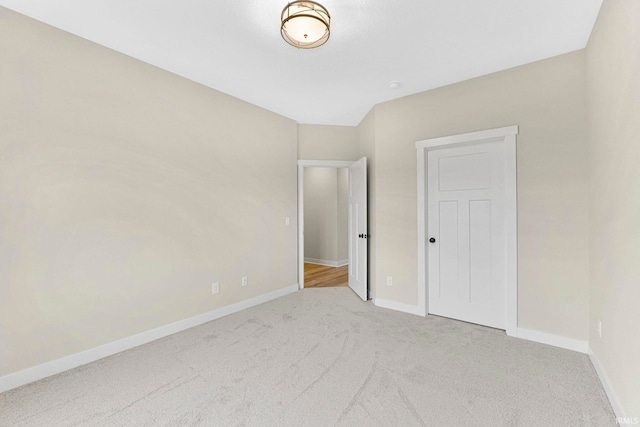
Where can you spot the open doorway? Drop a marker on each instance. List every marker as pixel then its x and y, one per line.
pixel 326 212
pixel 329 232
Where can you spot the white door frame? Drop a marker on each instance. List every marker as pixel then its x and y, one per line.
pixel 301 165
pixel 508 135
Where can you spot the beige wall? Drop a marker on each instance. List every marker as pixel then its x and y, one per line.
pixel 324 142
pixel 547 100
pixel 613 71
pixel 343 214
pixel 321 214
pixel 125 191
pixel 325 214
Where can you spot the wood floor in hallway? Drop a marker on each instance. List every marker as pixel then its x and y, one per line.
pixel 321 276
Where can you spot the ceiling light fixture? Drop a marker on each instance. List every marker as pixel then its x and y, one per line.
pixel 305 24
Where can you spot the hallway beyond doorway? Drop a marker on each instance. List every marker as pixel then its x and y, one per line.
pixel 321 276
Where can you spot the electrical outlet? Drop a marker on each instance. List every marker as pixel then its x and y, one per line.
pixel 389 281
pixel 245 281
pixel 600 328
pixel 287 221
pixel 215 288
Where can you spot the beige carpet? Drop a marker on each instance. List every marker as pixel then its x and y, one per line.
pixel 321 357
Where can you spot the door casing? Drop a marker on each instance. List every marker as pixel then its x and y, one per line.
pixel 508 136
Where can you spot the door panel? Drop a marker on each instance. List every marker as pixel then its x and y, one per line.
pixel 358 237
pixel 469 172
pixel 448 286
pixel 465 187
pixel 480 251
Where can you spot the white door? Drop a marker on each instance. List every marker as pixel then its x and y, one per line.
pixel 466 233
pixel 358 237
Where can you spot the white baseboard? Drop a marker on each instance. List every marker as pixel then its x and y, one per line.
pixel 327 263
pixel 554 340
pixel 606 384
pixel 527 334
pixel 47 369
pixel 398 306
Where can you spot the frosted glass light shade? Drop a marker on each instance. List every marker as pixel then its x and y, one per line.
pixel 305 24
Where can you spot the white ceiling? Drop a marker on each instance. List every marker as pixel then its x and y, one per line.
pixel 235 45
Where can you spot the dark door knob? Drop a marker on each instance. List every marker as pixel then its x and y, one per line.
pixel 432 240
